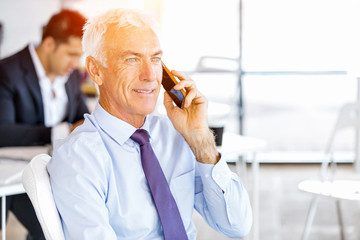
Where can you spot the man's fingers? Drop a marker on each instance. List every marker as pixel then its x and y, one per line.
pixel 190 97
pixel 168 102
pixel 180 75
pixel 187 84
pixel 185 80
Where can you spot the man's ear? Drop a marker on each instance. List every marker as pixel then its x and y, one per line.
pixel 49 44
pixel 95 70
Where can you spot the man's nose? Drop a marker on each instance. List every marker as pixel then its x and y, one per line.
pixel 148 71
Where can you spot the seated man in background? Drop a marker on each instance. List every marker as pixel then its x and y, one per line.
pixel 40 96
pixel 125 174
pixel 40 86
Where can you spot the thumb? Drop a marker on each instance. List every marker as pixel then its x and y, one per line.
pixel 168 103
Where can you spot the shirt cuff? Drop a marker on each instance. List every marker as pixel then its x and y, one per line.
pixel 219 174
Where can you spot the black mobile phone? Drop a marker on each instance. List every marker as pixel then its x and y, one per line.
pixel 168 82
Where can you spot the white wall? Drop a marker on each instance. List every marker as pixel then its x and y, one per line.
pixel 22 22
pixel 191 29
pixel 92 8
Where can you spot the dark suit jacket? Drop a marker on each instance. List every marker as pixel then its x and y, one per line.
pixel 21 106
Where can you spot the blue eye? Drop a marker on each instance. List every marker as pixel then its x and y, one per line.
pixel 156 59
pixel 131 60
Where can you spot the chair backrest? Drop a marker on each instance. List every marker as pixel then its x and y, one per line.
pixel 37 185
pixel 349 116
pixel 217 64
pixel 207 73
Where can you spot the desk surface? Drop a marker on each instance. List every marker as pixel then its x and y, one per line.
pixel 11 189
pixel 10 177
pixel 11 171
pixel 237 144
pixel 23 153
pixel 13 161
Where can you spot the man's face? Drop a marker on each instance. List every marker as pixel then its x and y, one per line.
pixel 65 57
pixel 132 78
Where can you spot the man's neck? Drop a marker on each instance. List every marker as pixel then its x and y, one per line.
pixel 43 59
pixel 134 120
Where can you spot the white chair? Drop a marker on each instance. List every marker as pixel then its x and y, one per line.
pixel 327 184
pixel 37 185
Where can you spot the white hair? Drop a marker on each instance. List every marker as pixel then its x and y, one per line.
pixel 94 29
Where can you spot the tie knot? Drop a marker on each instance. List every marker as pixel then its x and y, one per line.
pixel 140 136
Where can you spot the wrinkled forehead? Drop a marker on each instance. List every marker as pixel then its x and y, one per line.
pixel 131 38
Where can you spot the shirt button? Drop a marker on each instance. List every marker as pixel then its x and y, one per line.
pixel 207 175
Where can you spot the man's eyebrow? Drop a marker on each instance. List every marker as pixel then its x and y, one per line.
pixel 129 52
pixel 160 52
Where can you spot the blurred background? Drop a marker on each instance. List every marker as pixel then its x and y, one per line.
pixel 298 59
pixel 285 67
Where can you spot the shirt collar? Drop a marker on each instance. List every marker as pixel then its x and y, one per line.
pixel 40 71
pixel 116 128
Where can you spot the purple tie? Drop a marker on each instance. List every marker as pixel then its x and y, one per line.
pixel 165 204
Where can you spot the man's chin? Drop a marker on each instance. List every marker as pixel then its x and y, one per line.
pixel 67 72
pixel 62 74
pixel 146 110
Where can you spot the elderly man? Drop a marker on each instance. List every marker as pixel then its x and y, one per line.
pixel 125 174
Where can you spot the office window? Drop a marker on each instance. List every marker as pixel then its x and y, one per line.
pixel 300 59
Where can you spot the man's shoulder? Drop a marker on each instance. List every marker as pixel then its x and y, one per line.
pixel 13 66
pixel 16 57
pixel 84 138
pixel 82 148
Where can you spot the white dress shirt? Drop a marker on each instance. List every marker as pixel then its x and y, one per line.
pixel 54 95
pixel 101 191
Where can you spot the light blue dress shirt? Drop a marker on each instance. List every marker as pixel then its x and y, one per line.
pixel 101 191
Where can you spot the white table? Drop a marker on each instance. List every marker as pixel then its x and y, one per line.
pixel 12 162
pixel 23 153
pixel 241 146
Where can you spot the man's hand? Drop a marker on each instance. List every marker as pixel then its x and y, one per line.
pixel 191 120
